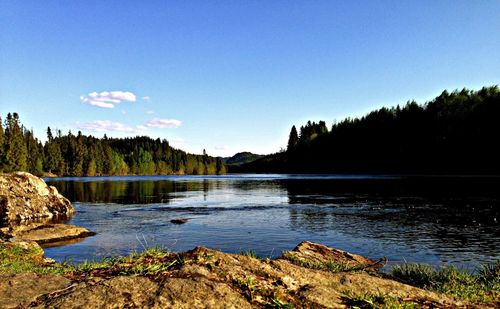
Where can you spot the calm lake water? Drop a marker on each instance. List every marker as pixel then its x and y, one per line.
pixel 435 220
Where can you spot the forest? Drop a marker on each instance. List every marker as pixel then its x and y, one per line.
pixel 455 133
pixel 81 155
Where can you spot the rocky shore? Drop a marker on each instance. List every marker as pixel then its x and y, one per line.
pixel 28 207
pixel 310 276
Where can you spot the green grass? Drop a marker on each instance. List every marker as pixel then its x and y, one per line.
pixel 15 259
pixel 331 266
pixel 152 261
pixel 278 303
pixel 480 287
pixel 378 300
pixel 249 253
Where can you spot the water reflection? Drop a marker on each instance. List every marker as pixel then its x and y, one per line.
pixel 443 213
pixel 425 219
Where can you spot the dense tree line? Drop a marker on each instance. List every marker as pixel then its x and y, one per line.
pixel 455 133
pixel 81 155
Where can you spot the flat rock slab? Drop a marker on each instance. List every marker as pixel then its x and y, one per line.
pixel 44 233
pixel 141 292
pixel 19 290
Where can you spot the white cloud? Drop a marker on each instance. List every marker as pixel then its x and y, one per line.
pixel 146 98
pixel 163 123
pixel 105 126
pixel 221 147
pixel 141 127
pixel 150 112
pixel 108 99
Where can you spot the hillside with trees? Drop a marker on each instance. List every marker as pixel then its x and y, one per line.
pixel 241 158
pixel 455 133
pixel 81 155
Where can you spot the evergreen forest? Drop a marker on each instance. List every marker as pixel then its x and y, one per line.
pixel 455 133
pixel 81 155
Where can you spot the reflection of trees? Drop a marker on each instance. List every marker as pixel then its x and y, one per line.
pixel 149 191
pixel 126 192
pixel 435 212
pixel 444 215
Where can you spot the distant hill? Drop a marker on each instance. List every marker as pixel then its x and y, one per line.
pixel 241 158
pixel 455 133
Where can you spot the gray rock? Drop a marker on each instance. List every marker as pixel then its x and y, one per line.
pixel 27 197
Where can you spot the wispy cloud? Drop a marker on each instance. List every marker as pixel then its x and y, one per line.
pixel 146 98
pixel 221 147
pixel 108 99
pixel 105 126
pixel 163 123
pixel 150 112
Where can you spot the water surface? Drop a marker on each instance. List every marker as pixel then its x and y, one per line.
pixel 434 220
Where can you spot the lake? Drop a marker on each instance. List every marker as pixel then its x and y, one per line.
pixel 437 220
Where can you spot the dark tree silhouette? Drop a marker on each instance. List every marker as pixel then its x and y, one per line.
pixel 293 139
pixel 456 133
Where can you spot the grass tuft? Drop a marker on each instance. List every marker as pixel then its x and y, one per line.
pixel 152 261
pixel 331 266
pixel 17 259
pixel 483 287
pixel 278 303
pixel 375 300
pixel 249 253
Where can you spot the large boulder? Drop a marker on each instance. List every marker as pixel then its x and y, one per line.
pixel 27 197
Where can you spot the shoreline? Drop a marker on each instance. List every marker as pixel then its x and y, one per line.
pixel 309 275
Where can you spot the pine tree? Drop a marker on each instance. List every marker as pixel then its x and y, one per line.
pixel 16 154
pixel 293 139
pixel 53 160
pixel 1 145
pixel 219 167
pixel 35 153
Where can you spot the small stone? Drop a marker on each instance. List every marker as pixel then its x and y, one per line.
pixel 48 261
pixel 179 221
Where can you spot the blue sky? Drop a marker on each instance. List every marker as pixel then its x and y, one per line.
pixel 229 76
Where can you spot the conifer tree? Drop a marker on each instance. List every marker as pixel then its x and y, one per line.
pixel 16 154
pixel 53 157
pixel 1 145
pixel 293 139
